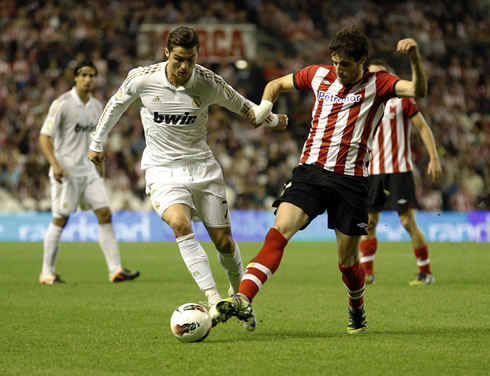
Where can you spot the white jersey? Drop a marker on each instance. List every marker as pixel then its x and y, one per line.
pixel 174 119
pixel 69 123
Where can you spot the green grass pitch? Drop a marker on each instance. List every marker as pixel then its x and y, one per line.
pixel 92 327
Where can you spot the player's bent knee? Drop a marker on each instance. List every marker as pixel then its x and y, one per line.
pixel 104 215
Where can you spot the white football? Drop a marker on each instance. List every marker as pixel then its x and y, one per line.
pixel 190 323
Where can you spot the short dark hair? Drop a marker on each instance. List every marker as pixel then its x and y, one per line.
pixel 351 42
pixel 382 63
pixel 183 36
pixel 83 64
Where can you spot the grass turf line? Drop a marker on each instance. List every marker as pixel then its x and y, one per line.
pixel 92 327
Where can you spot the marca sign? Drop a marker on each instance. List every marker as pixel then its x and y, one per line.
pixel 218 43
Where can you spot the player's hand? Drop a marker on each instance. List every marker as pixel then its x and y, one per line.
pixel 434 169
pixel 408 47
pixel 283 122
pixel 58 172
pixel 251 118
pixel 96 157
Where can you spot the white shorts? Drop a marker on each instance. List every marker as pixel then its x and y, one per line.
pixel 88 191
pixel 199 185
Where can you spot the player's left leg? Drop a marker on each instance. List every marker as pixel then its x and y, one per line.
pixel 421 250
pixel 228 255
pixel 369 245
pixel 96 198
pixel 110 248
pixel 353 276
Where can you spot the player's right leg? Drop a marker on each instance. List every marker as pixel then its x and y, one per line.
pixel 64 201
pixel 172 198
pixel 51 247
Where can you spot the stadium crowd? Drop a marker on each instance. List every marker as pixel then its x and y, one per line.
pixel 40 43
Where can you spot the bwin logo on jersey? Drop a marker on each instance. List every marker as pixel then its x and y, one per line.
pixel 351 98
pixel 174 118
pixel 84 128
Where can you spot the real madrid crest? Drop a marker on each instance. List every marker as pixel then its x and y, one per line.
pixel 196 103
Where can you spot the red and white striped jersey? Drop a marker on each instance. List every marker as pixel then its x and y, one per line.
pixel 391 151
pixel 344 118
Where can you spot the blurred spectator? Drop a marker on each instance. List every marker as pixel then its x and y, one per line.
pixel 38 39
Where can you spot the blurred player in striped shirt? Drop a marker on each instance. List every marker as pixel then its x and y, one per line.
pixel 392 185
pixel 333 171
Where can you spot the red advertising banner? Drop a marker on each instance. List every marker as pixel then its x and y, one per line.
pixel 218 43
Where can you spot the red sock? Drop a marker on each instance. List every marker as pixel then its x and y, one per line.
pixel 423 260
pixel 368 249
pixel 261 268
pixel 353 277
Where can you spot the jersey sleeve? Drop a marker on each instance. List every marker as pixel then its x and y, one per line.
pixel 229 98
pixel 409 106
pixel 303 78
pixel 385 85
pixel 53 120
pixel 117 105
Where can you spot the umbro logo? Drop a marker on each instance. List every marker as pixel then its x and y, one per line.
pixel 402 201
pixel 362 225
pixel 156 99
pixel 326 82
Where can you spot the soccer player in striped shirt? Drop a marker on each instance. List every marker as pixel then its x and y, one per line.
pixel 333 170
pixel 64 140
pixel 183 179
pixel 392 185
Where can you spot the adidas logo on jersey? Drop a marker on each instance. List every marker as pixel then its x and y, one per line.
pixel 156 99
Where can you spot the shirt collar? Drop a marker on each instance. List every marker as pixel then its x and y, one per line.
pixel 188 84
pixel 77 99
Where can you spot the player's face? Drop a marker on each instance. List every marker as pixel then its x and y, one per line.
pixel 181 62
pixel 85 80
pixel 349 71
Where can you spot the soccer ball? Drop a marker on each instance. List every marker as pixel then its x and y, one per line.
pixel 190 323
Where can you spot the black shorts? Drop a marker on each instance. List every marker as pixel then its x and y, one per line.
pixel 344 197
pixel 391 192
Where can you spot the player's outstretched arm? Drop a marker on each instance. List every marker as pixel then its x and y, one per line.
pixel 434 167
pixel 270 95
pixel 417 87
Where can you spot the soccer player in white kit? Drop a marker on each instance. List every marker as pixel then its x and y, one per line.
pixel 183 179
pixel 64 140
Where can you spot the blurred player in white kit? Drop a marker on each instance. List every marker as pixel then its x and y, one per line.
pixel 64 140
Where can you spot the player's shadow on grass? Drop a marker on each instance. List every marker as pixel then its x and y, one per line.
pixel 272 335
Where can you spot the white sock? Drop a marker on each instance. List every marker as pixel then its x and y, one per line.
pixel 212 295
pixel 232 263
pixel 197 261
pixel 110 247
pixel 51 248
